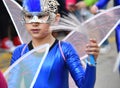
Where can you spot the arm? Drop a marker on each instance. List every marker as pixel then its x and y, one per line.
pixel 15 56
pixel 83 78
pixel 101 3
pixel 17 53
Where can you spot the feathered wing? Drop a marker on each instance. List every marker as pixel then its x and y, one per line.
pixel 15 12
pixel 24 72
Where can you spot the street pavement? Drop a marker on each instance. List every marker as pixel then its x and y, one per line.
pixel 106 78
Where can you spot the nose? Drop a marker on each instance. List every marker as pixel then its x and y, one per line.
pixel 35 23
pixel 34 20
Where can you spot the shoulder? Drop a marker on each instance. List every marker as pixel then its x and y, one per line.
pixel 17 53
pixel 19 48
pixel 65 43
pixel 67 47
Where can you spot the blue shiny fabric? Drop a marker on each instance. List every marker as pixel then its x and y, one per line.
pixel 54 72
pixel 32 5
pixel 101 3
pixel 117 34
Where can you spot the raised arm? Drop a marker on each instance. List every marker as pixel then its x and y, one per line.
pixel 83 78
pixel 101 3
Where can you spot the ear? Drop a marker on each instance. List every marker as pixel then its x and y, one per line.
pixel 57 18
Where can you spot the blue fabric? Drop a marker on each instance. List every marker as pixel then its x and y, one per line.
pixel 117 34
pixel 57 71
pixel 101 3
pixel 32 5
pixel 116 2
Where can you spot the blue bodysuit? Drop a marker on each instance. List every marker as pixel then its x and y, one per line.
pixel 55 74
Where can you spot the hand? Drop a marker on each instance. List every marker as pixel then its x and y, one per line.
pixel 94 9
pixel 92 48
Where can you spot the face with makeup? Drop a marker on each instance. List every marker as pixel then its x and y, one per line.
pixel 38 17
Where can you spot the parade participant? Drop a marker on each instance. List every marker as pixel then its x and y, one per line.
pixel 67 6
pixel 38 16
pixel 99 5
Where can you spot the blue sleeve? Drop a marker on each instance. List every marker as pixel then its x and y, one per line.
pixel 16 54
pixel 83 78
pixel 101 3
pixel 117 36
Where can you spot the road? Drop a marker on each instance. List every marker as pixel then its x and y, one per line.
pixel 106 78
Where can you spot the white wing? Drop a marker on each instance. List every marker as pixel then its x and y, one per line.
pixel 24 72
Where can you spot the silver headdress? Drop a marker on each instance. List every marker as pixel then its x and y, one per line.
pixel 40 8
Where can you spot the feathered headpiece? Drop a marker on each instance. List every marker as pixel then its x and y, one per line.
pixel 40 5
pixel 39 8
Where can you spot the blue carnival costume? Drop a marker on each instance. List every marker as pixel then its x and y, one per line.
pixel 54 72
pixel 100 4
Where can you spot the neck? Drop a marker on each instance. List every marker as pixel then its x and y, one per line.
pixel 37 42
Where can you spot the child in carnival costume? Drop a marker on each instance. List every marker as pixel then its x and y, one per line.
pixel 38 16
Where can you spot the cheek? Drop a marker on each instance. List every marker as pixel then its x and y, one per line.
pixel 27 26
pixel 44 26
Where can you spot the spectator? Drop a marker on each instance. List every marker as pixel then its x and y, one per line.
pixel 3 83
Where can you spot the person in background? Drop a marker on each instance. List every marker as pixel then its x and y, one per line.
pixel 105 47
pixel 3 83
pixel 85 6
pixel 99 5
